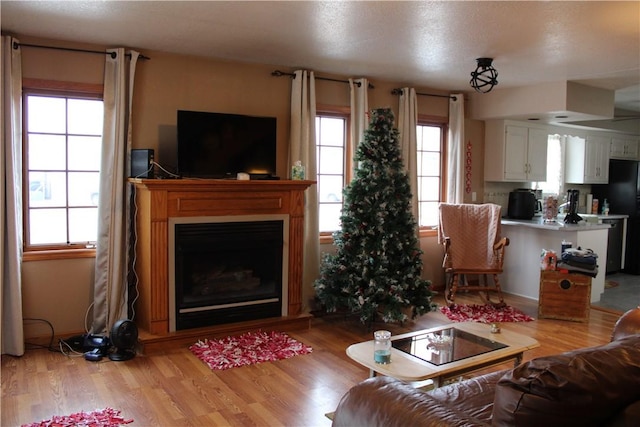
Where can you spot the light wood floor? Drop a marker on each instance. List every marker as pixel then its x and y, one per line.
pixel 173 388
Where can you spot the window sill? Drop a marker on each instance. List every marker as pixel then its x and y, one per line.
pixel 58 254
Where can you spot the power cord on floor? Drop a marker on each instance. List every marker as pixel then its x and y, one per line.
pixel 49 347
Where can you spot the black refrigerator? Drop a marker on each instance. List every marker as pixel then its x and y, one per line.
pixel 623 194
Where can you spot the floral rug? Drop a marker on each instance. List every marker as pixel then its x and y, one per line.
pixel 247 349
pixel 484 313
pixel 107 417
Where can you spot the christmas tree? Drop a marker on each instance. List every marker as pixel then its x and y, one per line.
pixel 377 265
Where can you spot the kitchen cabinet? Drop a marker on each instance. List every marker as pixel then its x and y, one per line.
pixel 624 148
pixel 587 159
pixel 514 152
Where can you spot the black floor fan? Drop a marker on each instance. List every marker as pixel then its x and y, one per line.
pixel 124 336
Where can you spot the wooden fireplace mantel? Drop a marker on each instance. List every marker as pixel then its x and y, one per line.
pixel 158 200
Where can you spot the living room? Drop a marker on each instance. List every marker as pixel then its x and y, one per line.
pixel 59 289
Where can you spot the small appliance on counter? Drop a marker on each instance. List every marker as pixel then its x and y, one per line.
pixel 539 209
pixel 522 204
pixel 572 216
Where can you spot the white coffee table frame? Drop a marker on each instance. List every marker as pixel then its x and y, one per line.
pixel 409 368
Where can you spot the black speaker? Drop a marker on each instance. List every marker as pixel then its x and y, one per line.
pixel 142 163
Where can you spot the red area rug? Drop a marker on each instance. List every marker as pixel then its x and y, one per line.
pixel 484 313
pixel 102 418
pixel 247 349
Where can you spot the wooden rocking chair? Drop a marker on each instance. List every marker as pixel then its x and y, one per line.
pixel 473 250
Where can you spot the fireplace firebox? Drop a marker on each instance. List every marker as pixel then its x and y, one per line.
pixel 227 272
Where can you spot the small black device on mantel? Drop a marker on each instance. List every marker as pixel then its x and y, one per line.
pixel 142 163
pixel 221 145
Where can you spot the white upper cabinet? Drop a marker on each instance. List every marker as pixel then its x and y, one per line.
pixel 623 147
pixel 514 152
pixel 587 159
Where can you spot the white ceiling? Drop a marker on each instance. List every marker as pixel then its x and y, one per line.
pixel 430 44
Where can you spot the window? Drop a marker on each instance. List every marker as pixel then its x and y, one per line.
pixel 332 129
pixel 430 143
pixel 62 145
pixel 553 185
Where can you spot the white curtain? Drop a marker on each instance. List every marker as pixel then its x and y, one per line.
pixel 407 124
pixel 359 100
pixel 11 330
pixel 302 146
pixel 455 150
pixel 112 249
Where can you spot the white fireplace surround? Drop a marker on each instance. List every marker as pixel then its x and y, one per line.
pixel 172 221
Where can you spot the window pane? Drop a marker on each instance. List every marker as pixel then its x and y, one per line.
pixel 330 131
pixel 47 226
pixel 83 188
pixel 47 152
pixel 85 117
pixel 429 188
pixel 47 189
pixel 329 216
pixel 83 225
pixel 330 188
pixel 46 114
pixel 429 163
pixel 429 213
pixel 430 140
pixel 84 153
pixel 330 160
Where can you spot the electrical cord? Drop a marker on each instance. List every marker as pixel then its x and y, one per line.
pixel 163 169
pixel 49 347
pixel 134 259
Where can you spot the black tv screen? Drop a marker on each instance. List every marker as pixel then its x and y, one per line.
pixel 219 145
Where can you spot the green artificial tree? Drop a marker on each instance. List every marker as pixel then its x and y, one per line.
pixel 377 266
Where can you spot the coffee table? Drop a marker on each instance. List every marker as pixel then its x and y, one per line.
pixel 444 352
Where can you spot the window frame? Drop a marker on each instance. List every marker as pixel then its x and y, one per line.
pixel 51 88
pixel 343 113
pixel 443 124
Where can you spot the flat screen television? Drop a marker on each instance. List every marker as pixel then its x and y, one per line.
pixel 220 145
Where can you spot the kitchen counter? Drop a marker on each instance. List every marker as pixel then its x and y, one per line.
pixel 528 238
pixel 558 225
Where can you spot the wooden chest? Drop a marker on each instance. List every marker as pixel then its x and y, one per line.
pixel 564 296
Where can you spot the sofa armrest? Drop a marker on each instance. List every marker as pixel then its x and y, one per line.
pixel 627 324
pixel 384 401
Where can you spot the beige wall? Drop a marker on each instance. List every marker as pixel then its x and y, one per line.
pixel 61 291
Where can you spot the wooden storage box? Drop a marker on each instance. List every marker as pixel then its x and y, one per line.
pixel 564 296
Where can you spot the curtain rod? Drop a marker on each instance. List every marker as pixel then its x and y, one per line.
pixel 278 73
pixel 112 54
pixel 398 91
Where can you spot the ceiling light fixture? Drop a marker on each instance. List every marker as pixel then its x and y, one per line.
pixel 484 77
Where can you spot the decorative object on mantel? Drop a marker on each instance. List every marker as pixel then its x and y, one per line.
pixel 247 349
pixel 484 77
pixel 484 313
pixel 378 264
pixel 107 417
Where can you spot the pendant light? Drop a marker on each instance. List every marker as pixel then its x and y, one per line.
pixel 484 77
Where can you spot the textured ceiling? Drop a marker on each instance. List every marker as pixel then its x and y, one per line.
pixel 426 44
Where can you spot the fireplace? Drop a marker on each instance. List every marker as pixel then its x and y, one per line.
pixel 163 203
pixel 226 270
